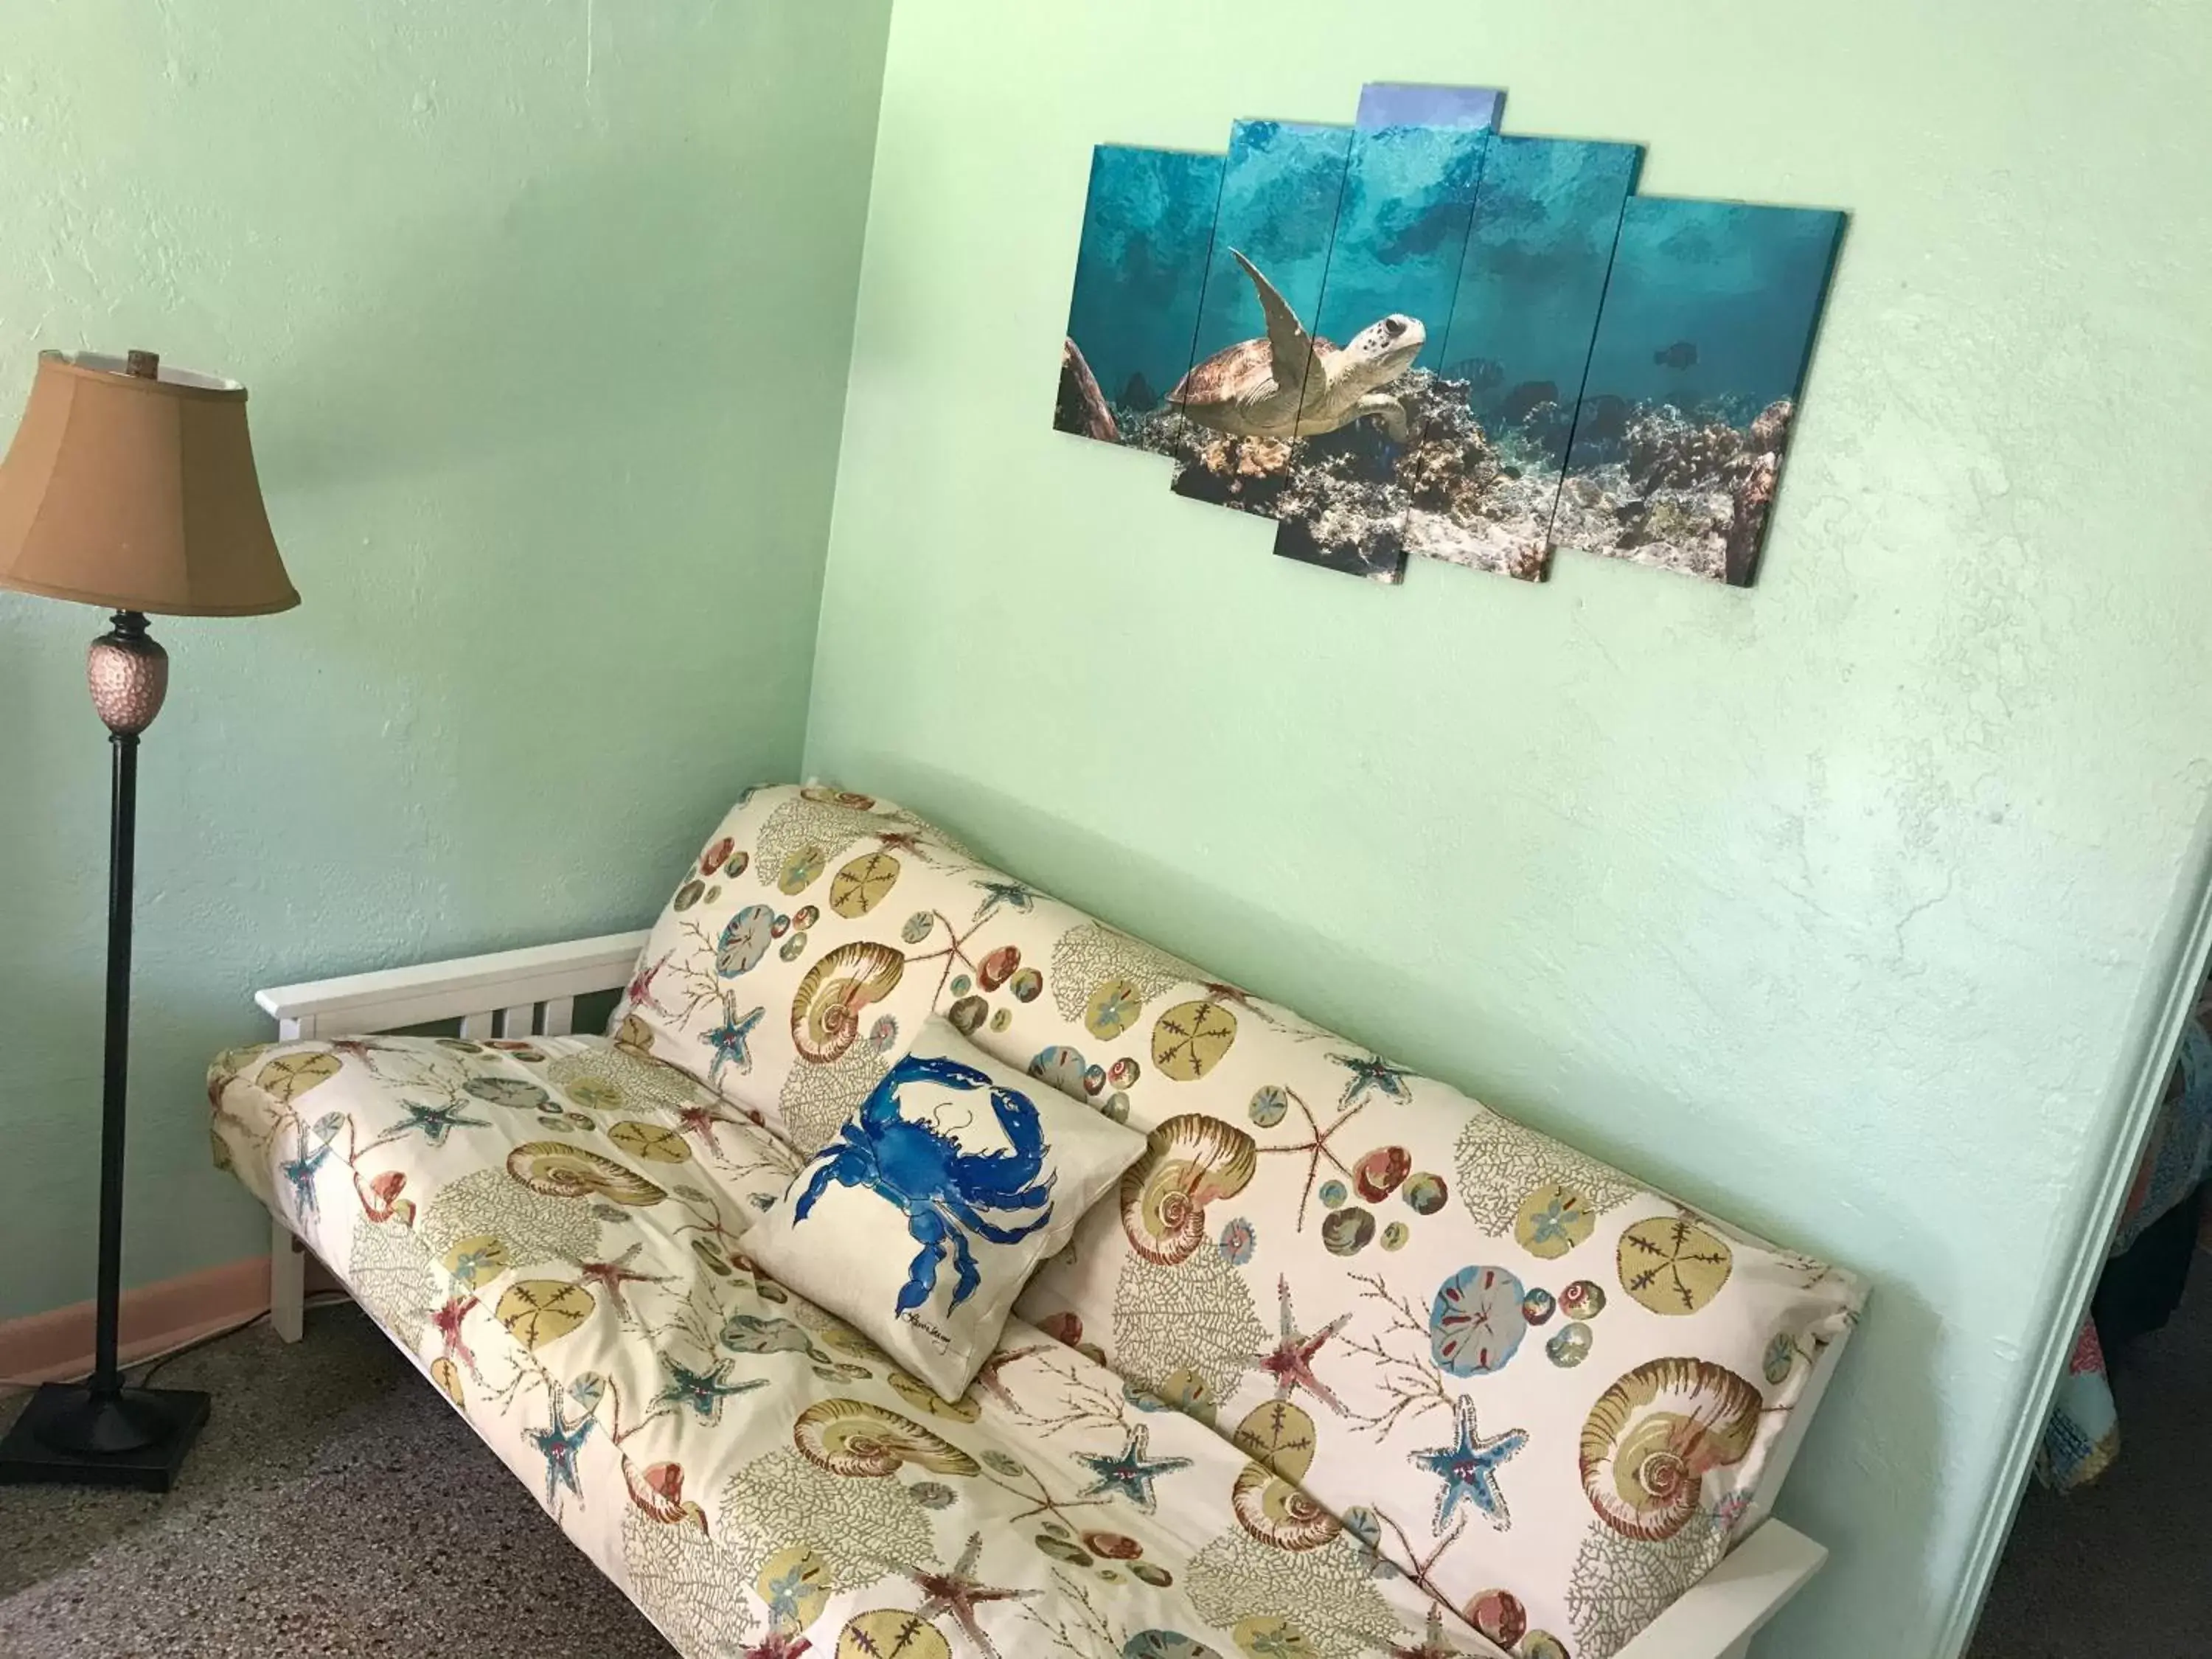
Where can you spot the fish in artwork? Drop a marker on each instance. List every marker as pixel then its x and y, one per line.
pixel 1481 374
pixel 1683 354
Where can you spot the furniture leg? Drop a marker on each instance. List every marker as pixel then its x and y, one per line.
pixel 287 1281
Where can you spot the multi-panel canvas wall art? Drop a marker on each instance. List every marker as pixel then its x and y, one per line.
pixel 1415 336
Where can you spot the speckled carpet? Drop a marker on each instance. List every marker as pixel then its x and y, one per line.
pixel 334 1505
pixel 2125 1567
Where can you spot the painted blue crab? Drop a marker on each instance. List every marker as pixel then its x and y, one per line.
pixel 942 1189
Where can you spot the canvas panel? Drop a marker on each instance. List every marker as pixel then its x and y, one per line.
pixel 1376 441
pixel 1524 316
pixel 1694 382
pixel 1139 271
pixel 1280 187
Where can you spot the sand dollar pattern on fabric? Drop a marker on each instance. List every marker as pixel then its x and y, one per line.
pixel 1674 1265
pixel 1189 1039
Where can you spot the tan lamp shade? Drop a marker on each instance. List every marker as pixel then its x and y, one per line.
pixel 137 491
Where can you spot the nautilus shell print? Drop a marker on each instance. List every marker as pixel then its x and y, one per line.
pixel 1278 1513
pixel 561 1171
pixel 1191 1161
pixel 825 1013
pixel 854 1438
pixel 1653 1437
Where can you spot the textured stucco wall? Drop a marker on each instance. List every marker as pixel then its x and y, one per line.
pixel 545 311
pixel 1836 904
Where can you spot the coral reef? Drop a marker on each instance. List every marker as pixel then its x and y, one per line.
pixel 1689 492
pixel 1686 490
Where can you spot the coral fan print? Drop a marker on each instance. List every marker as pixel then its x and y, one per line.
pixel 1408 336
pixel 1343 1365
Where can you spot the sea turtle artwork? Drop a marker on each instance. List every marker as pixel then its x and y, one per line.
pixel 1289 384
pixel 1473 347
pixel 904 1156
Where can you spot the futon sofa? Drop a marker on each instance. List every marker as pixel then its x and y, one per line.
pixel 1349 1363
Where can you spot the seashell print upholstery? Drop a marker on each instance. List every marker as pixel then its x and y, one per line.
pixel 759 1477
pixel 1523 1378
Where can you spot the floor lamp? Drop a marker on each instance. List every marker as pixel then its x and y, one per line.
pixel 130 487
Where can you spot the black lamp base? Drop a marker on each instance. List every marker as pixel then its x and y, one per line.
pixel 137 1438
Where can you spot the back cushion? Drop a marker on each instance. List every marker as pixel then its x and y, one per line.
pixel 1538 1383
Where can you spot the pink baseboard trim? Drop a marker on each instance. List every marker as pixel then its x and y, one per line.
pixel 51 1346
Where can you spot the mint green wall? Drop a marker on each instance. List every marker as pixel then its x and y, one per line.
pixel 545 311
pixel 1844 905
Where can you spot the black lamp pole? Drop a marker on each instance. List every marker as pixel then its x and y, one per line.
pixel 99 1433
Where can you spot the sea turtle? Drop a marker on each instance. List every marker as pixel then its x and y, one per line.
pixel 1255 388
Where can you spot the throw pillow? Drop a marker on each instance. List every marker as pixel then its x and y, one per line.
pixel 925 1214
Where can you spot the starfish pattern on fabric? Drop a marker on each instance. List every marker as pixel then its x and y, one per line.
pixel 957 1592
pixel 781 1644
pixel 611 1276
pixel 1129 1474
pixel 299 1174
pixel 703 1117
pixel 362 1048
pixel 558 1442
pixel 899 841
pixel 640 991
pixel 1290 1362
pixel 446 1321
pixel 731 1041
pixel 986 1378
pixel 1315 1146
pixel 436 1122
pixel 1469 1468
pixel 1017 895
pixel 703 1391
pixel 1371 1072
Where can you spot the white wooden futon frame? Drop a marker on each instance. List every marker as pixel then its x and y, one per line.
pixel 533 992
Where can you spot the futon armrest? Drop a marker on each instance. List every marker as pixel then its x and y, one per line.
pixel 509 985
pixel 1717 1616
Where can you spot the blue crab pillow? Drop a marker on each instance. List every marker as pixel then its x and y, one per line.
pixel 925 1214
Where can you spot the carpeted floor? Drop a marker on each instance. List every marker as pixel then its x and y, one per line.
pixel 336 1506
pixel 2124 1566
